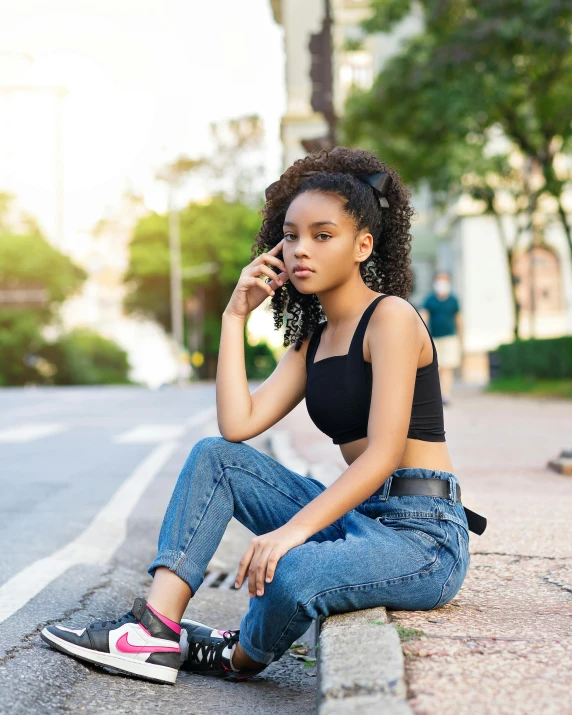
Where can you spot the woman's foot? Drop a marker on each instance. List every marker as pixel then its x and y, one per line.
pixel 141 643
pixel 209 651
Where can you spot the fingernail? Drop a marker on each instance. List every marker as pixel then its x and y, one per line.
pixel 236 584
pixel 259 592
pixel 268 580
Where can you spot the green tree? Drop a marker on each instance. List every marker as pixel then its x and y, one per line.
pixel 217 232
pixel 484 84
pixel 28 261
pixel 82 357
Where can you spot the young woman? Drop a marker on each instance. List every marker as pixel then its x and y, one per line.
pixel 391 531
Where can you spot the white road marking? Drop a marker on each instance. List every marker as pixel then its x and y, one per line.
pixel 101 538
pixel 30 431
pixel 150 434
pixel 95 545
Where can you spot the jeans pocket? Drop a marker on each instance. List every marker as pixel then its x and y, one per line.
pixel 426 534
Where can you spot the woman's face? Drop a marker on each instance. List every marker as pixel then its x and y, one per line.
pixel 319 235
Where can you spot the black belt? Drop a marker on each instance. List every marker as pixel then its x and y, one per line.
pixel 433 487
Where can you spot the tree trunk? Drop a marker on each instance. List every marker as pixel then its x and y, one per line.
pixel 509 252
pixel 565 226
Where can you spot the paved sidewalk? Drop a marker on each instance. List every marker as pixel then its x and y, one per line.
pixel 504 643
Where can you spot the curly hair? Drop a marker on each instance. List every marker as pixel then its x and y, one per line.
pixel 387 270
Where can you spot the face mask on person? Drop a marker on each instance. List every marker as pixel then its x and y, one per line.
pixel 442 286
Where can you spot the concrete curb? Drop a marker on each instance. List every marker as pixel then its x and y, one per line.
pixel 360 665
pixel 360 660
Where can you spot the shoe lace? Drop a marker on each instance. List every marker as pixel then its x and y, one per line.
pixel 128 616
pixel 211 653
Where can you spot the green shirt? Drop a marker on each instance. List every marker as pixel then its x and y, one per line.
pixel 441 315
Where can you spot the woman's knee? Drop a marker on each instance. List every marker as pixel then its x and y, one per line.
pixel 208 447
pixel 211 442
pixel 209 456
pixel 204 449
pixel 219 446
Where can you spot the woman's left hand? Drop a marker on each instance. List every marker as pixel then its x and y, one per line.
pixel 262 555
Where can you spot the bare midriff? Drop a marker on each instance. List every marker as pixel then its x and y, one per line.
pixel 418 453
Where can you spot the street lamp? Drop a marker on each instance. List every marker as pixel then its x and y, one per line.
pixel 174 175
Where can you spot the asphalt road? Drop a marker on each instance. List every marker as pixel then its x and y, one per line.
pixel 85 477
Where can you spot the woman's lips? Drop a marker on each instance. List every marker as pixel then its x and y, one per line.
pixel 303 274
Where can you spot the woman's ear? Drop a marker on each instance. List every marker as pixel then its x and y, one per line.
pixel 364 244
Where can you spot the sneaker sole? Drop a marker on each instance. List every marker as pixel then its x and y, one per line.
pixel 149 671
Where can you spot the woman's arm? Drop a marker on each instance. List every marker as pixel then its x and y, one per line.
pixel 233 401
pixel 242 415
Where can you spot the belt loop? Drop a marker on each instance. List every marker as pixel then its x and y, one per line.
pixel 386 487
pixel 452 491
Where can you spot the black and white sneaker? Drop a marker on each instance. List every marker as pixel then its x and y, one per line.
pixel 208 651
pixel 138 643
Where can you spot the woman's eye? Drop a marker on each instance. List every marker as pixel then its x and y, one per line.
pixel 288 235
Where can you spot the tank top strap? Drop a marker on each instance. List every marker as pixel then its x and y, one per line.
pixel 356 345
pixel 313 344
pixel 430 336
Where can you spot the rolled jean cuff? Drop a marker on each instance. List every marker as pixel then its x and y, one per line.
pixel 260 656
pixel 181 565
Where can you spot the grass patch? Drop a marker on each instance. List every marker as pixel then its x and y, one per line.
pixel 405 634
pixel 531 386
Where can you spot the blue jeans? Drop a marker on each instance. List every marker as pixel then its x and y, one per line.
pixel 402 552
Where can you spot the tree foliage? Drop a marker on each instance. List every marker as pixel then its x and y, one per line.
pixel 478 65
pixel 82 357
pixel 27 261
pixel 478 102
pixel 215 232
pixel 30 260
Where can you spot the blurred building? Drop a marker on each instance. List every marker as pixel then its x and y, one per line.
pixel 463 242
pixel 31 169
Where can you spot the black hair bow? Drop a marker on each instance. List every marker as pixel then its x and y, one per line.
pixel 380 182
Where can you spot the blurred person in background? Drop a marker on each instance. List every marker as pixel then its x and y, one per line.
pixel 441 310
pixel 334 244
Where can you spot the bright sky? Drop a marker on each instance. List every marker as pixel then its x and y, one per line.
pixel 145 77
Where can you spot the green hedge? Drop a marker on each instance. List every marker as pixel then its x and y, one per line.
pixel 539 358
pixel 82 357
pixel 259 361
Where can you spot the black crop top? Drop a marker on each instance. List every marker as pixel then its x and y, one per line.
pixel 338 390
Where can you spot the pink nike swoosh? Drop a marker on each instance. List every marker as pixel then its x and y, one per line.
pixel 125 646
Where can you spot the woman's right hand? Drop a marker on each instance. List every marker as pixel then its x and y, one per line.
pixel 251 291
